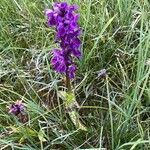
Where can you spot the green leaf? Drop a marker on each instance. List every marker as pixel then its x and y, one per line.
pixel 22 140
pixel 41 135
pixel 75 119
pixel 62 95
pixel 70 99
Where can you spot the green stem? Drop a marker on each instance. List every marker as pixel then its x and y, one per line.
pixel 74 116
pixel 68 83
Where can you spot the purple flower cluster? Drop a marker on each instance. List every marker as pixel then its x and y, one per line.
pixel 65 21
pixel 16 108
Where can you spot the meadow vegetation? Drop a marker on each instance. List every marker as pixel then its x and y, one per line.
pixel 114 108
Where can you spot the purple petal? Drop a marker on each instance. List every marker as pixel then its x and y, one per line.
pixel 72 70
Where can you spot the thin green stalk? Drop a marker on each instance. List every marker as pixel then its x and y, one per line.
pixel 110 112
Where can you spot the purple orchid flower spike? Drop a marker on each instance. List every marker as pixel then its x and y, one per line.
pixel 65 21
pixel 17 108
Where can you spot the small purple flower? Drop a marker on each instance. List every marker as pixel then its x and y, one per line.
pixel 58 61
pixel 102 73
pixel 71 71
pixel 17 108
pixel 65 21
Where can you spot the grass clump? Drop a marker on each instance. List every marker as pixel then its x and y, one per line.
pixel 115 109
